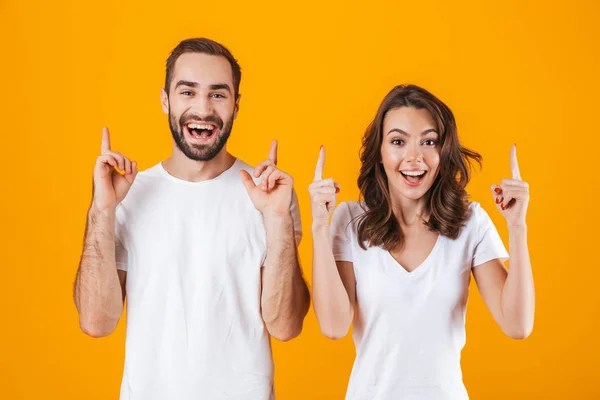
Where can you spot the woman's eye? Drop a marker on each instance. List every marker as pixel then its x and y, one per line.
pixel 397 142
pixel 429 142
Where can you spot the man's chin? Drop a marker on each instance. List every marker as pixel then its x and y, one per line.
pixel 201 153
pixel 197 150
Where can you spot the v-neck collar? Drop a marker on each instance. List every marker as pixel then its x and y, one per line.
pixel 421 268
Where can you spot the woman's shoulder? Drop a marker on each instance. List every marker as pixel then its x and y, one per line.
pixel 476 211
pixel 352 209
pixel 478 217
pixel 474 207
pixel 347 213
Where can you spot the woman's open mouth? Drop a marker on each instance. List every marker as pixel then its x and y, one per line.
pixel 413 178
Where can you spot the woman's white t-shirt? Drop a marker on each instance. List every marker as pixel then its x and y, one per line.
pixel 409 329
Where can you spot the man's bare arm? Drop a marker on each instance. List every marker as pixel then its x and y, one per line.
pixel 99 290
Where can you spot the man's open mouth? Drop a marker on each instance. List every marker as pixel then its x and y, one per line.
pixel 200 130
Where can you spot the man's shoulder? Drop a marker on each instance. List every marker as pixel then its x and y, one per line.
pixel 146 180
pixel 241 165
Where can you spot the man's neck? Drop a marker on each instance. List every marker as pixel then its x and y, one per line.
pixel 181 167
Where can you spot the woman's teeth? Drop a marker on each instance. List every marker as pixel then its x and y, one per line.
pixel 413 176
pixel 413 173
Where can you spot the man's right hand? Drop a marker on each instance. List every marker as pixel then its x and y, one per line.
pixel 110 186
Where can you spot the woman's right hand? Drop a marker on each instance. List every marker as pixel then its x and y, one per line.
pixel 323 195
pixel 110 186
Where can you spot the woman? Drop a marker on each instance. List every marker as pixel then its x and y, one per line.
pixel 397 265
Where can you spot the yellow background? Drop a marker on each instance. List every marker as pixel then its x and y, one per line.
pixel 314 73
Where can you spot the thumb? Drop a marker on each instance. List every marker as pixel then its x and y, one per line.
pixel 130 176
pixel 247 180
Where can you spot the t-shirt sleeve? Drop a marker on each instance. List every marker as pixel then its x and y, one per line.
pixel 340 233
pixel 295 211
pixel 120 249
pixel 489 244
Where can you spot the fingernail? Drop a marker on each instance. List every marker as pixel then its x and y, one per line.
pixel 321 147
pixel 498 190
pixel 498 200
pixel 502 206
pixel 337 189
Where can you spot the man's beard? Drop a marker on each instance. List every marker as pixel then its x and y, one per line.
pixel 199 152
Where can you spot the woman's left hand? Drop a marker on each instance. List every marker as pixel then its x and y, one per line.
pixel 512 195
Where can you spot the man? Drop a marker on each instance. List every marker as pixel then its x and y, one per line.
pixel 207 258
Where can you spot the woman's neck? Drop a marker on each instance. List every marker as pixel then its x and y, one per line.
pixel 409 212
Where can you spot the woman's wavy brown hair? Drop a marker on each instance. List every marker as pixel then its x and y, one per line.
pixel 447 200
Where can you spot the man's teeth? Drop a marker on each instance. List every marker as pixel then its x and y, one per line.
pixel 201 126
pixel 413 173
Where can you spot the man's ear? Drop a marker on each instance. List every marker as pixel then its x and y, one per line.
pixel 164 101
pixel 236 109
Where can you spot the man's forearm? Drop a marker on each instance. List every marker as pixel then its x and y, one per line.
pixel 285 298
pixel 97 291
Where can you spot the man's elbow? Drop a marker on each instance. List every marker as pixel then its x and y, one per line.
pixel 286 333
pixel 97 329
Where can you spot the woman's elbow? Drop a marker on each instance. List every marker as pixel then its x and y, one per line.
pixel 333 332
pixel 519 332
pixel 333 335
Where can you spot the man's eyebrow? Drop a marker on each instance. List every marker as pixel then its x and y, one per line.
pixel 186 83
pixel 219 86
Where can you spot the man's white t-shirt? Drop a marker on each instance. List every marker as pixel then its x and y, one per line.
pixel 193 253
pixel 409 329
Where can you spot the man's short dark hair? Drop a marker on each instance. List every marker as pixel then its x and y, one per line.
pixel 205 46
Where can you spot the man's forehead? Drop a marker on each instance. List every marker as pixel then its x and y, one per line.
pixel 204 69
